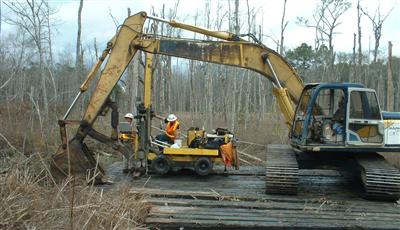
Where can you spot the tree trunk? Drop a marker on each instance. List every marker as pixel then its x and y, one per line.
pixel 389 86
pixel 397 102
pixel 49 38
pixel 78 37
pixel 376 49
pixel 359 33
pixel 1 19
pixel 209 73
pixel 354 72
pixel 95 49
pixel 169 83
pixel 78 51
pixel 283 27
pixel 237 31
pixel 161 70
pixel 43 79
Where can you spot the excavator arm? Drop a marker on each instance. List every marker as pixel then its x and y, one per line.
pixel 242 54
pixel 123 47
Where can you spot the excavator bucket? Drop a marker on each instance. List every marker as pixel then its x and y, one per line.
pixel 76 160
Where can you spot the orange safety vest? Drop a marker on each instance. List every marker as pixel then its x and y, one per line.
pixel 170 129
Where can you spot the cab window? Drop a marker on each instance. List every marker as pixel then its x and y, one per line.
pixel 327 102
pixel 364 105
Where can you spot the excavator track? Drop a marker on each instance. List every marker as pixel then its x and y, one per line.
pixel 381 180
pixel 282 170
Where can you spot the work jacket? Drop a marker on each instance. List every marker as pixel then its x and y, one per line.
pixel 170 129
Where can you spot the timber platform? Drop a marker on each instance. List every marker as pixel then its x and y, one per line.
pixel 326 199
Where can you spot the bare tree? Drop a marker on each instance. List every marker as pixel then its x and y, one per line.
pixel 283 27
pixel 397 98
pixel 234 86
pixel 377 21
pixel 326 20
pixel 359 33
pixel 207 72
pixel 389 89
pixel 1 4
pixel 49 33
pixel 354 58
pixel 78 57
pixel 33 17
pixel 170 32
pixel 237 28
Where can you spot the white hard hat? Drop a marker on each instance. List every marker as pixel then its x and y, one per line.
pixel 129 115
pixel 171 117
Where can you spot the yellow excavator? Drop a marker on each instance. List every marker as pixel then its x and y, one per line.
pixel 329 123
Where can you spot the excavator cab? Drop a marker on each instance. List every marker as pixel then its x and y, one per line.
pixel 337 116
pixel 338 126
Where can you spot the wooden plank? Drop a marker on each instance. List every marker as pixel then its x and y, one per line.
pixel 219 224
pixel 239 201
pixel 284 213
pixel 250 156
pixel 213 196
pixel 282 219
pixel 284 216
pixel 244 170
pixel 316 206
pixel 218 195
pixel 251 143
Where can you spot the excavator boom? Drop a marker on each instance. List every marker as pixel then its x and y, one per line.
pixel 123 47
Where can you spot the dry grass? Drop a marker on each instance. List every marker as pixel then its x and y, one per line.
pixel 31 202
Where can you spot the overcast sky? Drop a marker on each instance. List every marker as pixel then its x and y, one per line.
pixel 97 22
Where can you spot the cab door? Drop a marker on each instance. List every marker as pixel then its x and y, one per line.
pixel 364 123
pixel 297 134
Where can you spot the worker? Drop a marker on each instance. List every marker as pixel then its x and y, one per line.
pixel 338 117
pixel 171 130
pixel 129 118
pixel 127 136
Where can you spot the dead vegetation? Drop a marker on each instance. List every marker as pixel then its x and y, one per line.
pixel 32 201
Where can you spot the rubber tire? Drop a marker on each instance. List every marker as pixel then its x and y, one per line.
pixel 161 165
pixel 203 166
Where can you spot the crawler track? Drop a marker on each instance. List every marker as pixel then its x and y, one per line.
pixel 381 180
pixel 282 170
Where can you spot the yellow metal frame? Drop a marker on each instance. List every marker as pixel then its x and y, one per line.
pixel 151 156
pixel 147 80
pixel 191 152
pixel 186 159
pixel 285 104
